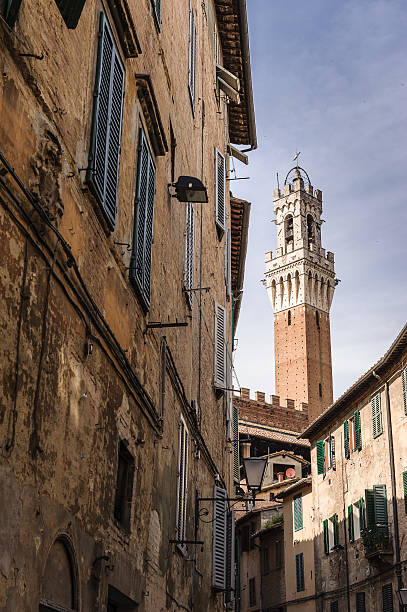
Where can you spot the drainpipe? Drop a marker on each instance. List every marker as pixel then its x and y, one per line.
pixel 393 488
pixel 344 530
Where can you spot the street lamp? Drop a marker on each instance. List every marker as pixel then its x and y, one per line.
pixel 189 189
pixel 402 595
pixel 254 468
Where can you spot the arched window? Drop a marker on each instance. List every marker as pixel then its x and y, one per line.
pixel 316 289
pixel 328 293
pixel 281 291
pixel 273 293
pixel 58 590
pixel 289 230
pixel 317 318
pixel 309 286
pixel 322 292
pixel 310 230
pixel 289 289
pixel 297 285
pixel 289 317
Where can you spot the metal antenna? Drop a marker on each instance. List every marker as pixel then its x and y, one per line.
pixel 278 182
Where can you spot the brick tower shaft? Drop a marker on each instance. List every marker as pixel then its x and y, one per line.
pixel 300 280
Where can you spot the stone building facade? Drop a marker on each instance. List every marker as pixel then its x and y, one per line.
pixel 115 414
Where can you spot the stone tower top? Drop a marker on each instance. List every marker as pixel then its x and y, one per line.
pixel 300 272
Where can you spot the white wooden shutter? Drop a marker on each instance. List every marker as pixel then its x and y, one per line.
pixel 219 538
pixel 192 55
pixel 189 252
pixel 377 424
pixel 220 346
pixel 182 475
pixel 230 561
pixel 220 190
pixel 228 264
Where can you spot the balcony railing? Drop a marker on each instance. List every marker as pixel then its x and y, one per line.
pixel 377 541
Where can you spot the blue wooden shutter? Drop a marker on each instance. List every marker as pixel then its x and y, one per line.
pixel 320 457
pixel 219 538
pixel 351 530
pixel 358 436
pixel 192 56
pixel 71 11
pixel 11 12
pixel 404 385
pixel 220 346
pixel 360 602
pixel 220 190
pixel 380 504
pixel 298 517
pixel 346 439
pixel 299 571
pixel 189 253
pixel 377 424
pixel 140 264
pixel 104 154
pixel 326 536
pixel 405 490
pixel 387 598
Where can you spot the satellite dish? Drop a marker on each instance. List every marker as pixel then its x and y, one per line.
pixel 290 473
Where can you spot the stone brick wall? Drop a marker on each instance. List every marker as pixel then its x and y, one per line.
pixel 289 416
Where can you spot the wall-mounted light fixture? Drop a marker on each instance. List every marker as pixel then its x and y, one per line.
pixel 254 468
pixel 189 189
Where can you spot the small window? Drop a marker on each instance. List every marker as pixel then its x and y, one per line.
pixel 124 486
pixel 252 591
pixel 360 602
pixel 352 434
pixel 289 230
pixel 377 422
pixel 266 559
pixel 320 389
pixel 332 533
pixel 310 230
pixel 182 482
pixel 289 317
pixel 299 571
pixel 245 538
pixel 326 458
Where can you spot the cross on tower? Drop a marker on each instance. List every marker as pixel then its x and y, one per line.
pixel 296 156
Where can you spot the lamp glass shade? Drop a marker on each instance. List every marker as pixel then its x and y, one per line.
pixel 190 189
pixel 403 596
pixel 254 468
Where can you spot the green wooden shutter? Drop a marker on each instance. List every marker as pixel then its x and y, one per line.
pixel 351 530
pixel 236 463
pixel 405 490
pixel 358 436
pixel 71 11
pixel 140 264
pixel 336 529
pixel 387 598
pixel 380 504
pixel 299 571
pixel 377 423
pixel 404 384
pixel 362 521
pixel 11 12
pixel 326 536
pixel 298 516
pixel 320 457
pixel 360 602
pixel 103 169
pixel 346 439
pixel 370 508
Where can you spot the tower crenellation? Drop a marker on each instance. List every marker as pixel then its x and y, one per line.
pixel 300 281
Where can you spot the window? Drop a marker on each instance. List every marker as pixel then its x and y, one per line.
pixel 70 11
pixel 245 538
pixel 220 346
pixel 360 602
pixel 362 513
pixel 326 536
pixel 58 590
pixel 124 486
pixel 182 482
pixel 278 560
pixel 219 546
pixel 404 385
pixel 265 559
pixel 140 262
pixel 376 506
pixel 289 230
pixel 387 598
pixel 118 602
pixel 289 317
pixel 189 253
pixel 405 490
pixel 252 591
pixel 192 56
pixel 157 11
pixel 352 438
pixel 331 533
pixel 310 230
pixel 355 515
pixel 103 168
pixel 320 390
pixel 326 458
pixel 335 530
pixel 299 571
pixel 334 606
pixel 377 423
pixel 297 512
pixel 228 264
pixel 9 11
pixel 220 191
pixel 351 530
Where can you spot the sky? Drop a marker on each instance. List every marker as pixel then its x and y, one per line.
pixel 329 80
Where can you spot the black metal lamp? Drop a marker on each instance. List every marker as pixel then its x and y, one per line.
pixel 402 595
pixel 190 189
pixel 254 468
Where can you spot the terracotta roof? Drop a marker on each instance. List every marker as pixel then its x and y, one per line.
pixel 233 33
pixel 362 384
pixel 268 433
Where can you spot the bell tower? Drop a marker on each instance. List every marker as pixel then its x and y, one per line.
pixel 300 282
